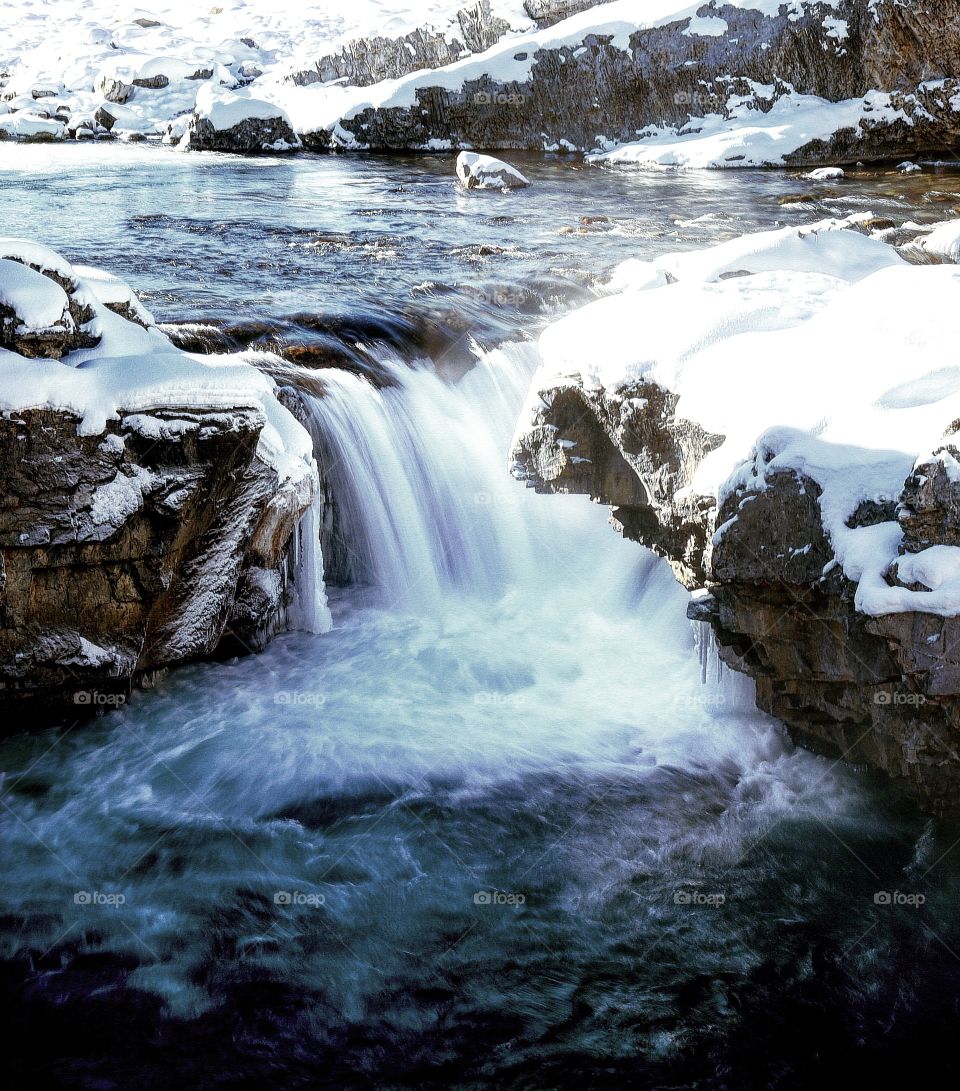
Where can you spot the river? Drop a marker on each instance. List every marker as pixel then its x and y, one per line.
pixel 507 824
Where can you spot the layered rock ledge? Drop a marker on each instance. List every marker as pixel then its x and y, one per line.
pixel 151 503
pixel 743 83
pixel 777 417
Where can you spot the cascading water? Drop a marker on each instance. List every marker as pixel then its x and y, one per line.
pixel 425 507
pixel 469 826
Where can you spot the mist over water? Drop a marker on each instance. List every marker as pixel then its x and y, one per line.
pixel 506 825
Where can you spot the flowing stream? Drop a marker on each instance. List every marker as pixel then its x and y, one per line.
pixel 505 825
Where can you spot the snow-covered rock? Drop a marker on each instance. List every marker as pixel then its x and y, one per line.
pixel 827 174
pixel 751 82
pixel 146 494
pixel 485 172
pixel 238 122
pixel 762 413
pixel 942 242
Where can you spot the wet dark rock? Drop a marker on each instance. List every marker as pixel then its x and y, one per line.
pixel 251 136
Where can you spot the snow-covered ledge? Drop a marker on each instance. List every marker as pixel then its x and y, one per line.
pixel 776 415
pixel 149 497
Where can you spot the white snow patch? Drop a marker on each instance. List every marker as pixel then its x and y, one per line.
pixel 38 301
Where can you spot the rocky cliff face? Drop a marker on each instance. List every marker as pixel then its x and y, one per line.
pixel 160 537
pixel 854 647
pixel 365 61
pixel 599 88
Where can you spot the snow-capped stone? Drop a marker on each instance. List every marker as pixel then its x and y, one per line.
pixel 144 491
pixel 909 168
pixel 477 171
pixel 28 125
pixel 237 122
pixel 942 242
pixel 826 174
pixel 695 409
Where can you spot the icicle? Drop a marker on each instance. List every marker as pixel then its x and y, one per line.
pixel 309 611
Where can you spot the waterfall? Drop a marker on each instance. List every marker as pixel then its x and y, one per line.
pixel 425 506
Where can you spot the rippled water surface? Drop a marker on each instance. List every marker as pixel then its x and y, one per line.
pixel 504 826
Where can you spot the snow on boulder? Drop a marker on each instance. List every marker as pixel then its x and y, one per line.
pixel 826 174
pixel 35 299
pixel 236 122
pixel 27 125
pixel 44 310
pixel 909 168
pixel 120 450
pixel 943 242
pixel 115 294
pixel 484 172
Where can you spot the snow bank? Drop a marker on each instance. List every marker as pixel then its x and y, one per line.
pixel 827 354
pixel 749 137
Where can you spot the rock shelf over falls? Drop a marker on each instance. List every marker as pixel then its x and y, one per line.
pixel 776 416
pixel 150 500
